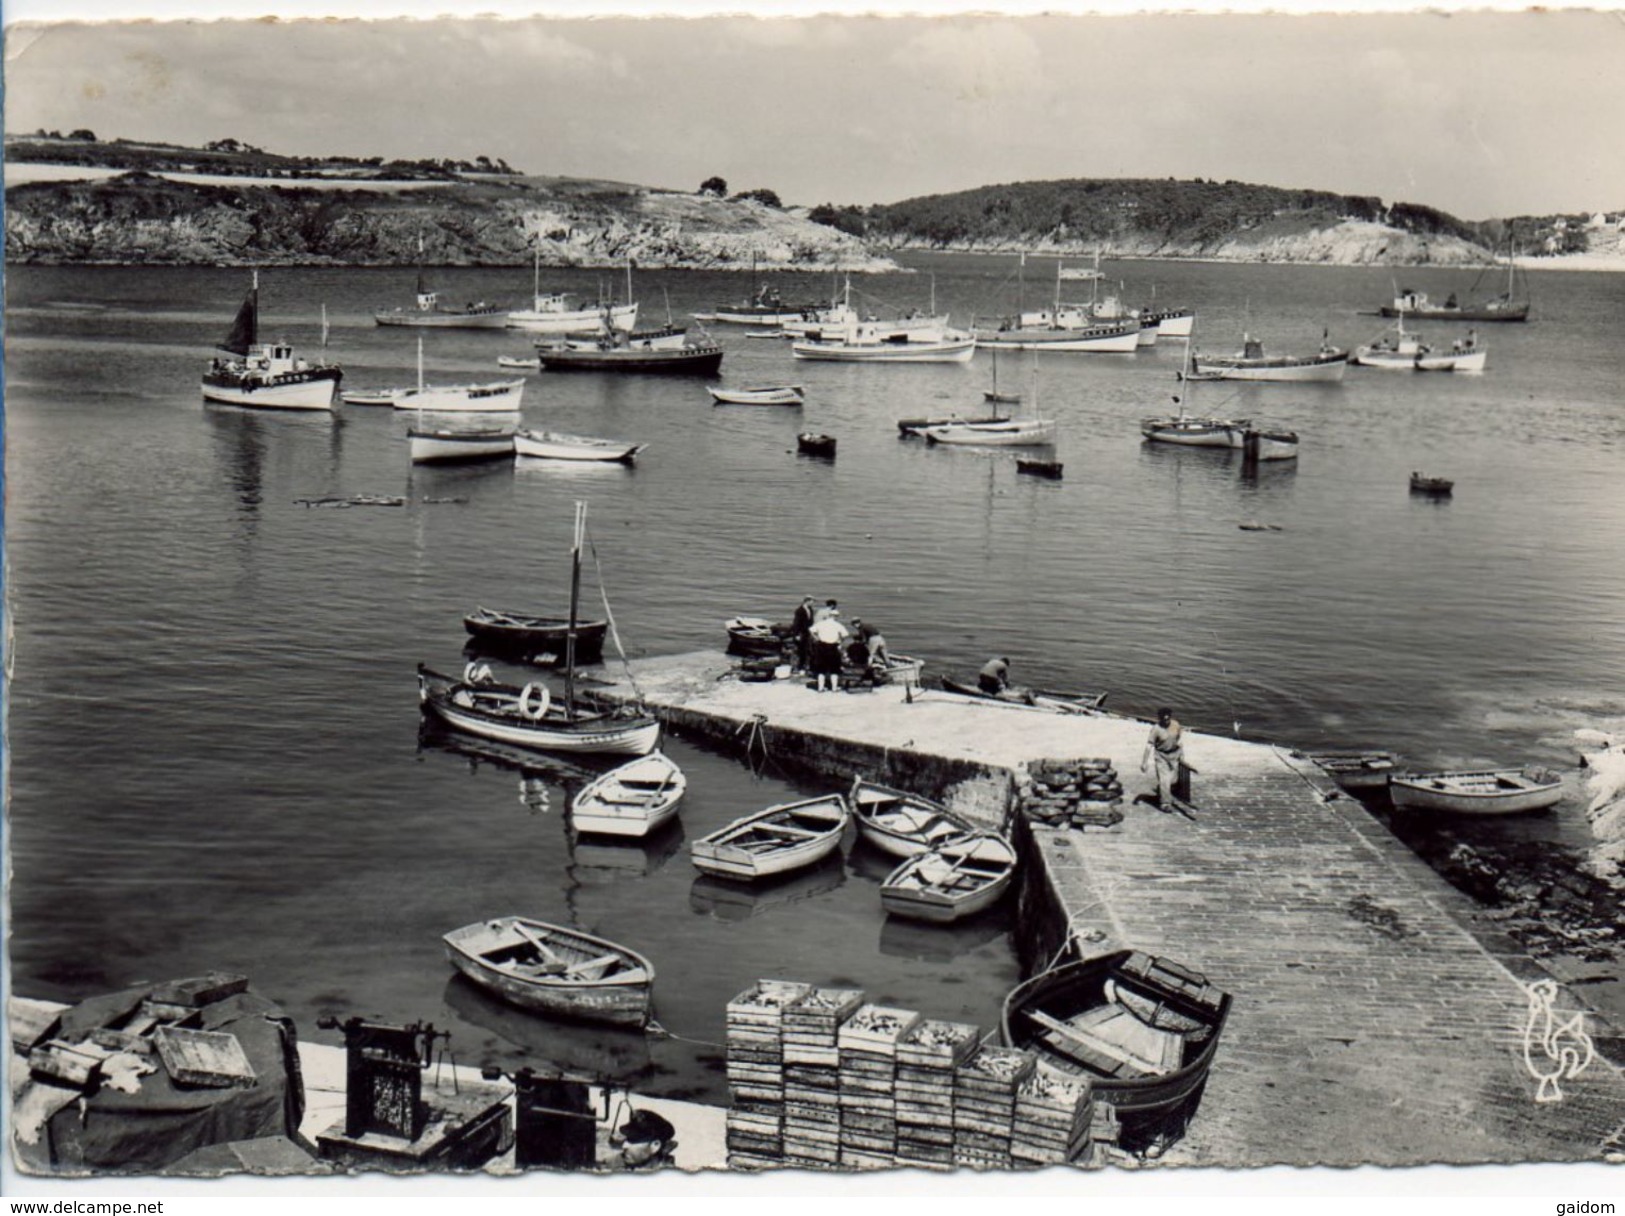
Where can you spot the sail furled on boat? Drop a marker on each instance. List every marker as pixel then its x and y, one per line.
pixel 244 330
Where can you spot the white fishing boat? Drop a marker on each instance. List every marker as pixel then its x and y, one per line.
pixel 1251 363
pixel 501 396
pixel 446 446
pixel 266 375
pixel 1398 350
pixel 1188 430
pixel 529 715
pixel 555 313
pixel 429 313
pixel 555 969
pixel 1465 355
pixel 370 396
pixel 774 394
pixel 868 343
pixel 953 880
pixel 834 319
pixel 555 445
pixel 1061 328
pixel 782 838
pixel 1507 791
pixel 637 799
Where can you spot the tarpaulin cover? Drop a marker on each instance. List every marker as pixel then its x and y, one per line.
pixel 163 1121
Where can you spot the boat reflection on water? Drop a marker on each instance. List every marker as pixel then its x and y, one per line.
pixel 597 861
pixel 606 1052
pixel 930 943
pixel 546 783
pixel 723 899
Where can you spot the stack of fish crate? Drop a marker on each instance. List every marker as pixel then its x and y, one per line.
pixel 756 1072
pixel 985 1087
pixel 926 1058
pixel 868 1071
pixel 812 1078
pixel 1071 794
pixel 1054 1112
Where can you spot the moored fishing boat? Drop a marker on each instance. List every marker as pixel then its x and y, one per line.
pixel 773 394
pixel 1111 337
pixel 1251 363
pixel 448 446
pixel 266 375
pixel 555 313
pixel 900 823
pixel 1356 770
pixel 555 969
pixel 1188 431
pixel 1507 791
pixel 555 445
pixel 430 314
pixel 521 633
pixel 764 309
pixel 519 363
pixel 1503 306
pixel 910 427
pixel 636 799
pixel 1144 1030
pixel 952 880
pixel 369 396
pixel 1012 432
pixel 782 838
pixel 665 353
pixel 868 343
pixel 1398 350
pixel 529 716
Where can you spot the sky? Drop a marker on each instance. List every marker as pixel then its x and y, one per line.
pixel 1481 114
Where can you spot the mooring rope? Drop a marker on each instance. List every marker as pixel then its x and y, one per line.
pixel 614 633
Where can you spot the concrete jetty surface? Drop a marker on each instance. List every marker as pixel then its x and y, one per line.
pixel 1371 1023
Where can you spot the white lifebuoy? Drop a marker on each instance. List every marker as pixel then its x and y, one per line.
pixel 533 701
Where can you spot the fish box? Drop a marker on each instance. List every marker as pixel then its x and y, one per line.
pixel 876 1029
pixel 933 1044
pixel 205 1058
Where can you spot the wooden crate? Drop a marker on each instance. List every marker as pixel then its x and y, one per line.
pixel 204 1058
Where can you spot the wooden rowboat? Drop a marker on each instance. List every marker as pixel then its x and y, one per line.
pixel 555 970
pixel 782 838
pixel 1440 486
pixel 555 445
pixel 636 799
pixel 1144 1031
pixel 774 394
pixel 1056 702
pixel 1507 791
pixel 753 636
pixel 809 444
pixel 1356 770
pixel 1040 468
pixel 530 716
pixel 954 880
pixel 899 823
pixel 517 632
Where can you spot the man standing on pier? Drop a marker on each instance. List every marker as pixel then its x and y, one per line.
pixel 1166 747
pixel 800 627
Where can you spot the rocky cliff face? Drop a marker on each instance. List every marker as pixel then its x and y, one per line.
pixel 146 218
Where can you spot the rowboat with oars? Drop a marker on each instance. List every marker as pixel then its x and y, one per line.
pixel 954 879
pixel 554 969
pixel 900 823
pixel 636 799
pixel 1143 1030
pixel 782 838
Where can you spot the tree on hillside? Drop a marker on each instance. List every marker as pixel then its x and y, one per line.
pixel 761 195
pixel 83 133
pixel 715 186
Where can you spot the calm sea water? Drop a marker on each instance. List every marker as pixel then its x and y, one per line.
pixel 215 754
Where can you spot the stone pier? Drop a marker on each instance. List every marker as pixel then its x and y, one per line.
pixel 1376 1020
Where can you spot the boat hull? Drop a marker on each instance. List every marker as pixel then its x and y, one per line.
pixel 1104 339
pixel 622 803
pixel 673 361
pixel 447 447
pixel 607 736
pixel 904 894
pixel 1293 371
pixel 571 321
pixel 1014 434
pixel 1492 792
pixel 493 319
pixel 538 445
pixel 961 351
pixel 1357 770
pixel 790 395
pixel 1141 1102
pixel 1511 312
pixel 1451 361
pixel 1193 432
pixel 315 390
pixel 901 824
pixel 626 1003
pixel 516 633
pixel 501 396
pixel 728 853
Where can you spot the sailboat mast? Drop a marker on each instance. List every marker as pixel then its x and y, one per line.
pixel 575 604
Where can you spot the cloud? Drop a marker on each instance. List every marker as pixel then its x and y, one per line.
pixel 974 62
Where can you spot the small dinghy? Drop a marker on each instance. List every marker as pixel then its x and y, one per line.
pixel 1143 1030
pixel 555 970
pixel 1056 702
pixel 782 838
pixel 902 824
pixel 809 444
pixel 1439 487
pixel 636 799
pixel 955 879
pixel 1506 791
pixel 774 394
pixel 519 363
pixel 1356 770
pixel 754 636
pixel 521 633
pixel 370 396
pixel 555 445
pixel 1051 469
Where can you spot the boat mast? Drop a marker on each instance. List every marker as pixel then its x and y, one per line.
pixel 575 602
pixel 536 278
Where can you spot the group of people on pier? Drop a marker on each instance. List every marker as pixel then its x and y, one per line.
pixel 826 646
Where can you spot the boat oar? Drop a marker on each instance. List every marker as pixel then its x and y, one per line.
pixel 542 948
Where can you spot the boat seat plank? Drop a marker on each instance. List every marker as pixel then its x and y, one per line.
pixel 788 829
pixel 1120 1037
pixel 592 968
